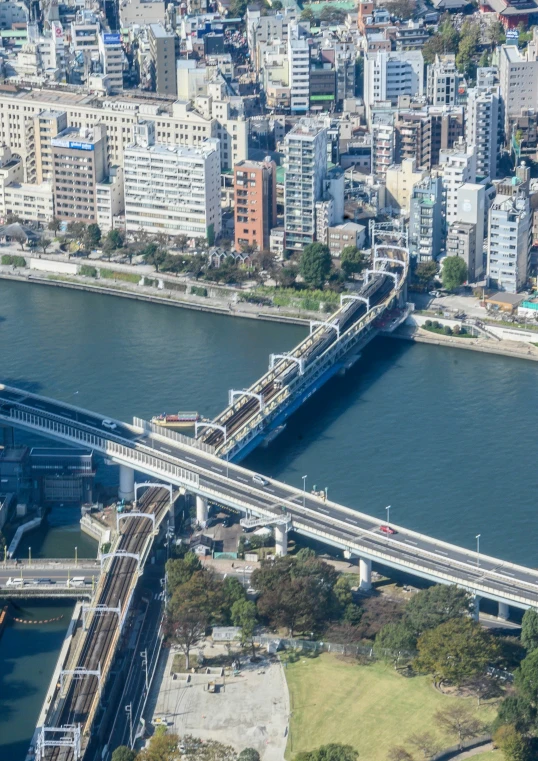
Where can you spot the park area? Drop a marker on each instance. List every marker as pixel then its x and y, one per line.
pixel 371 707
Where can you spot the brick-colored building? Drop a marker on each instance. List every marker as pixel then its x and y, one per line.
pixel 255 203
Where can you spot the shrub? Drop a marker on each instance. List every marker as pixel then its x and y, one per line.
pixel 198 290
pixel 428 324
pixel 447 330
pixel 112 275
pixel 88 271
pixel 456 330
pixel 16 261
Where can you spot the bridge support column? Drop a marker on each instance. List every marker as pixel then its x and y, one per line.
pixel 476 611
pixel 347 554
pixel 202 510
pixel 8 436
pixel 503 611
pixel 126 490
pixel 281 540
pixel 365 569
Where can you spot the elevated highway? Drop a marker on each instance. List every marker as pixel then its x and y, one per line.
pixel 185 463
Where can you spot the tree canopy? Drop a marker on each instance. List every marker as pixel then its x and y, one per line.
pixel 180 570
pixel 330 752
pixel 454 272
pixel 123 753
pixel 352 260
pixel 315 264
pixel 435 605
pixel 457 651
pixel 395 638
pixel 529 629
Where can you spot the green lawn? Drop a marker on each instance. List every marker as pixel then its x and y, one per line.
pixel 493 755
pixel 370 707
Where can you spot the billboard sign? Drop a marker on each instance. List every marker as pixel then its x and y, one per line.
pixel 111 39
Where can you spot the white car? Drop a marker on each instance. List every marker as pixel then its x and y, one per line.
pixel 109 424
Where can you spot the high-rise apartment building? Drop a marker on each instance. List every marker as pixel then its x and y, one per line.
pixel 162 52
pixel 45 126
pixel 426 219
pixel 305 149
pixel 459 167
pixel 255 203
pixel 383 143
pixel 466 234
pixel 171 189
pixel 299 69
pixel 509 241
pixel 518 78
pixel 111 55
pixel 443 81
pixel 483 127
pixel 79 158
pixel 389 75
pixel 422 134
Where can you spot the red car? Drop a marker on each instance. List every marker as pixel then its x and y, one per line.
pixel 387 530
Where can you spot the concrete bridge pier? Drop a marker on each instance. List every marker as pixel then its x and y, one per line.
pixel 202 510
pixel 126 490
pixel 281 540
pixel 476 611
pixel 365 572
pixel 8 436
pixel 503 611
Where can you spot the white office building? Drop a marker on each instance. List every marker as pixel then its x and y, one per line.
pixel 299 70
pixel 518 77
pixel 305 150
pixel 111 56
pixel 172 189
pixel 388 75
pixel 509 242
pixel 459 167
pixel 483 127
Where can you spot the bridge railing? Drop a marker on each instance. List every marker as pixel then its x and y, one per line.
pixel 131 455
pixel 160 430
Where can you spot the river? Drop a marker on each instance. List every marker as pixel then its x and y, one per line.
pixel 443 436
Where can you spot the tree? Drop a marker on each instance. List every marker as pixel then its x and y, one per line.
pixel 154 255
pixel 456 651
pixel 44 243
pixel 436 605
pixel 92 236
pixel 398 753
pixel 425 743
pixel 402 9
pixel 516 710
pixel 162 747
pixel 352 260
pixel 75 230
pixel 244 615
pixel 426 272
pixel 123 753
pixel 396 637
pixel 249 754
pixel 20 238
pixel 180 571
pixel 211 750
pixel 512 743
pixel 330 752
pixel 276 5
pixel 308 15
pixel 526 678
pixel 286 276
pixel 182 242
pixel 454 272
pixel 54 225
pixel 315 264
pixel 529 629
pixel 234 591
pixel 185 625
pixel 495 34
pixel 114 239
pixel 458 720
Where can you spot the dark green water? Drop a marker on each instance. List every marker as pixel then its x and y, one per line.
pixel 28 654
pixel 444 436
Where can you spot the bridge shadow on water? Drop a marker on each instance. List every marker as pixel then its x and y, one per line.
pixel 23 384
pixel 311 422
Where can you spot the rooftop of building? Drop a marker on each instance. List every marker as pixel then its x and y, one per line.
pixel 158 30
pixel 250 164
pixel 306 127
pixel 507 9
pixel 208 146
pixel 83 135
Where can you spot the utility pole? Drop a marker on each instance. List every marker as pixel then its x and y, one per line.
pixel 144 656
pixel 129 710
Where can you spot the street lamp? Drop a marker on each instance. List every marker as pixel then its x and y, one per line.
pixel 477 550
pixel 129 711
pixel 29 556
pixel 304 489
pixel 388 514
pixel 144 656
pixel 76 555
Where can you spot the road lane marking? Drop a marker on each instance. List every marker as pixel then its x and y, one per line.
pixel 350 520
pixel 409 541
pixel 440 552
pixel 165 449
pixel 191 459
pixel 219 470
pixel 322 510
pixel 244 480
pixel 271 490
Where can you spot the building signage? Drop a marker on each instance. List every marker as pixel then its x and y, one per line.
pixel 81 146
pixel 112 39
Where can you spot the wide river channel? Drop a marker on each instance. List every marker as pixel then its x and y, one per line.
pixel 442 435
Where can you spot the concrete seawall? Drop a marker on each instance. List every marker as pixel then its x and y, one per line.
pixel 28 526
pixel 503 347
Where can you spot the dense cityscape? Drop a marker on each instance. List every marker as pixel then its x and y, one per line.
pixel 239 243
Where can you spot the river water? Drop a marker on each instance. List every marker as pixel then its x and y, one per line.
pixel 442 435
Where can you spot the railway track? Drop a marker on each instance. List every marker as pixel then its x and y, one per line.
pixel 98 647
pixel 376 291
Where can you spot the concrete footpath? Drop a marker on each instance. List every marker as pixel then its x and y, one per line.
pixel 516 349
